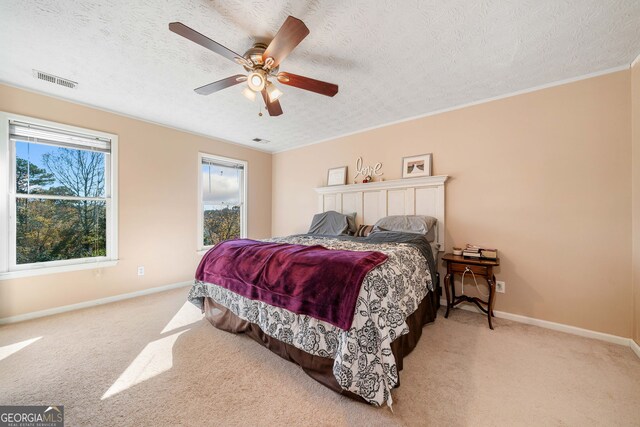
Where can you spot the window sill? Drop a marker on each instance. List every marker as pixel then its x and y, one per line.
pixel 57 269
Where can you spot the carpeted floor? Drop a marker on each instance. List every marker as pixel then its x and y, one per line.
pixel 153 361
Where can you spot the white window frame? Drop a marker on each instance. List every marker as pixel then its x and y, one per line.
pixel 201 248
pixel 8 267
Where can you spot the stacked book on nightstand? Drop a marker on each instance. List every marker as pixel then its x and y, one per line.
pixel 474 251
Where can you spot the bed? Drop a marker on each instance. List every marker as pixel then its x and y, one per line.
pixel 359 355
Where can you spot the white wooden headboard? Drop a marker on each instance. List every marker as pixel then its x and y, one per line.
pixel 375 200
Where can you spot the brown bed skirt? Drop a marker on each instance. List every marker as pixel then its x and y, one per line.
pixel 317 367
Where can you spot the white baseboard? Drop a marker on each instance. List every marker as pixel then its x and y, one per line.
pixel 92 303
pixel 574 330
pixel 635 347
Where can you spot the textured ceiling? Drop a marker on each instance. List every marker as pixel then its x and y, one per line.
pixel 391 59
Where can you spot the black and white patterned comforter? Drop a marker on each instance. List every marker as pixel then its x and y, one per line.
pixel 364 363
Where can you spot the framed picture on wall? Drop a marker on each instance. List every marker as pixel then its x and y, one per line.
pixel 415 166
pixel 337 176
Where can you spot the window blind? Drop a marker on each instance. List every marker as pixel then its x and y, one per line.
pixel 212 162
pixel 43 135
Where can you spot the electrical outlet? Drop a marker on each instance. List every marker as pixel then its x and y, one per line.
pixel 500 286
pixel 141 270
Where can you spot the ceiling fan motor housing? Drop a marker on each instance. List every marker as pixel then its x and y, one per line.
pixel 254 54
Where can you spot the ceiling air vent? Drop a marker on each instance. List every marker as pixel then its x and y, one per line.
pixel 55 79
pixel 261 141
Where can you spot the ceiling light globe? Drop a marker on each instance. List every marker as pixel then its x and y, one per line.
pixel 273 92
pixel 249 94
pixel 256 81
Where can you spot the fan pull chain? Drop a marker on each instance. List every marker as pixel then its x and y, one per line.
pixel 259 109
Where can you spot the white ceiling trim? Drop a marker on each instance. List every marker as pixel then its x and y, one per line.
pixel 129 116
pixel 635 61
pixel 471 104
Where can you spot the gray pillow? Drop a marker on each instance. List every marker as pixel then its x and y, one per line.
pixel 351 220
pixel 332 223
pixel 420 224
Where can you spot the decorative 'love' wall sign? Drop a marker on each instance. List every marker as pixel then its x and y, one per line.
pixel 367 171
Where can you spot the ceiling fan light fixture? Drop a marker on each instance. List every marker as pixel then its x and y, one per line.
pixel 256 81
pixel 249 94
pixel 273 91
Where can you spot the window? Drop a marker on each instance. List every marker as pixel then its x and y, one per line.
pixel 58 208
pixel 222 196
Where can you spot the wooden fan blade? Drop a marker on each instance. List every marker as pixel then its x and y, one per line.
pixel 301 82
pixel 221 84
pixel 204 41
pixel 292 32
pixel 274 107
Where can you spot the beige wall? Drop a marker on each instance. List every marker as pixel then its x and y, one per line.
pixel 158 205
pixel 545 177
pixel 635 121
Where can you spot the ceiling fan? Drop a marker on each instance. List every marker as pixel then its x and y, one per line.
pixel 262 63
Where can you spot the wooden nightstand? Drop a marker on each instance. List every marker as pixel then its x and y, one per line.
pixel 480 267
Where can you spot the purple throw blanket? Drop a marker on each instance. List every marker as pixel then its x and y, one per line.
pixel 311 280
